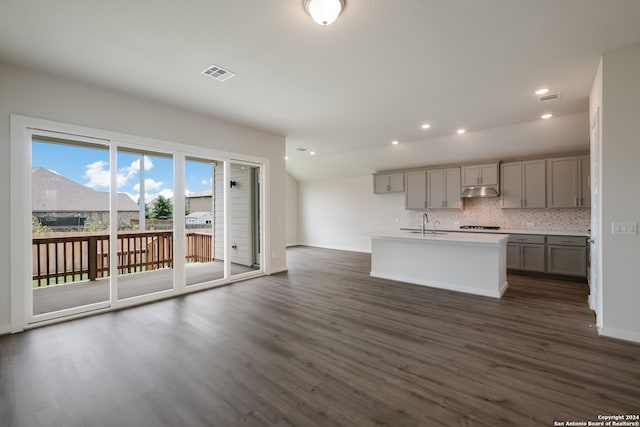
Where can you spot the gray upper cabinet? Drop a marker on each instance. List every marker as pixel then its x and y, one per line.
pixel 416 190
pixel 480 175
pixel 388 183
pixel 522 184
pixel 443 188
pixel 568 182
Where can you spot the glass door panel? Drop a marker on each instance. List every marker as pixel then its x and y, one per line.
pixel 70 225
pixel 244 218
pixel 204 220
pixel 145 249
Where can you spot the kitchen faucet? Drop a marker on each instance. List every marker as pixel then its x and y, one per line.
pixel 425 220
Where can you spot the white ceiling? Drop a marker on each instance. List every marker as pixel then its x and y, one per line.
pixel 380 71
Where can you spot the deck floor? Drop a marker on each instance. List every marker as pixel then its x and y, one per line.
pixel 52 298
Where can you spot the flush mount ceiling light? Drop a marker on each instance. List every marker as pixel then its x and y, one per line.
pixel 546 116
pixel 542 91
pixel 426 126
pixel 395 142
pixel 461 131
pixel 324 12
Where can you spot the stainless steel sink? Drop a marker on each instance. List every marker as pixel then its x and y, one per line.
pixel 430 233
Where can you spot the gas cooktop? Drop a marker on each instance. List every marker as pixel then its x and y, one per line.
pixel 479 227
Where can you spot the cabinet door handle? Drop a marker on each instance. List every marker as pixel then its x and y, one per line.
pixel 577 202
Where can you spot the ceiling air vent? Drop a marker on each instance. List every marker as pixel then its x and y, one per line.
pixel 218 73
pixel 301 149
pixel 550 97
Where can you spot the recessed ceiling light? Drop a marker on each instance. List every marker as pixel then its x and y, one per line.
pixel 313 153
pixel 286 157
pixel 395 142
pixel 461 131
pixel 542 91
pixel 426 126
pixel 546 116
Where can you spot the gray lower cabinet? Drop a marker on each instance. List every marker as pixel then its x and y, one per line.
pixel 567 255
pixel 526 253
pixel 562 255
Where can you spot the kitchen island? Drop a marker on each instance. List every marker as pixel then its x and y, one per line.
pixel 465 262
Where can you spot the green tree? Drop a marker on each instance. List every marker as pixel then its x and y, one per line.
pixel 37 227
pixel 162 209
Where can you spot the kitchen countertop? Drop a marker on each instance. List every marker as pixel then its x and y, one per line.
pixel 448 236
pixel 506 231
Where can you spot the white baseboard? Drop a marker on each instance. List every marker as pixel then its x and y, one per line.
pixel 620 334
pixel 448 286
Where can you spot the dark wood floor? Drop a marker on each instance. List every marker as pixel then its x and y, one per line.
pixel 325 345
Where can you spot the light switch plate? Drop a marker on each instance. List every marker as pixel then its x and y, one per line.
pixel 624 228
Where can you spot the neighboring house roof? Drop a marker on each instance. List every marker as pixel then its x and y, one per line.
pixel 55 193
pixel 205 193
pixel 198 214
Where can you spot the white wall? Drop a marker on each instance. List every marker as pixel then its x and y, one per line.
pixel 621 192
pixel 337 213
pixel 31 93
pixel 292 210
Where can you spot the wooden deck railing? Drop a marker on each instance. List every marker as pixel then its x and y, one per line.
pixel 75 257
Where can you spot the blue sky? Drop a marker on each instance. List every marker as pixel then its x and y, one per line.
pixel 90 167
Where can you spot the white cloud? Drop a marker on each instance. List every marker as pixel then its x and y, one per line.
pixel 204 182
pixel 99 175
pixel 149 185
pixel 166 193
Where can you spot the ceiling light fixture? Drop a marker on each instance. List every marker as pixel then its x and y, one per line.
pixel 426 126
pixel 395 142
pixel 286 157
pixel 313 153
pixel 542 91
pixel 461 131
pixel 324 12
pixel 546 116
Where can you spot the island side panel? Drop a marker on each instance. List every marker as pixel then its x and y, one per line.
pixel 472 267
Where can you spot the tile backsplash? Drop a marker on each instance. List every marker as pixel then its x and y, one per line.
pixel 478 211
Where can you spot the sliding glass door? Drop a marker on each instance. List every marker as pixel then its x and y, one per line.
pixel 69 226
pixel 204 220
pixel 145 239
pixel 109 219
pixel 245 253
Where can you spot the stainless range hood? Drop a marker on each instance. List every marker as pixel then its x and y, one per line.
pixel 479 192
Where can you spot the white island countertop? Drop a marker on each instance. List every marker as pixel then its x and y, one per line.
pixel 474 263
pixel 444 235
pixel 541 232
